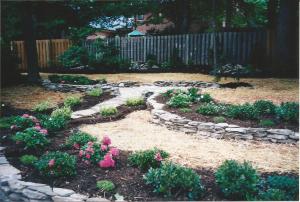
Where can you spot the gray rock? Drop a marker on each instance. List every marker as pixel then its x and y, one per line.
pixel 281 131
pixel 63 192
pixel 15 197
pixel 222 125
pixel 97 199
pixel 233 126
pixel 3 160
pixel 277 137
pixel 33 194
pixel 16 186
pixel 7 170
pixel 65 199
pixel 79 196
pixel 193 123
pixel 180 120
pixel 43 189
pixel 239 130
pixel 295 136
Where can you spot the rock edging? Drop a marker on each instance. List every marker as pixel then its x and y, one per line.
pixel 219 130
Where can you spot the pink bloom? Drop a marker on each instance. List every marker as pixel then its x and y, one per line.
pixel 44 131
pixel 76 146
pixel 25 115
pixel 106 140
pixel 88 156
pixel 103 147
pixel 114 151
pixel 107 162
pixel 37 124
pixel 90 143
pixel 80 153
pixel 12 127
pixel 158 157
pixel 38 127
pixel 87 162
pixel 90 149
pixel 51 163
pixel 35 120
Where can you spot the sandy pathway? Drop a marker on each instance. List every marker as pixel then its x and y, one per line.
pixel 135 132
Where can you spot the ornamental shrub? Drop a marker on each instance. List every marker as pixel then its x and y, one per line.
pixel 43 106
pixel 96 92
pixel 24 121
pixel 63 112
pixel 105 185
pixel 170 178
pixel 28 160
pixel 56 164
pixel 172 92
pixel 71 101
pixel 244 112
pixel 264 107
pixel 7 122
pixel 31 138
pixel 288 185
pixel 268 195
pixel 79 139
pixel 288 111
pixel 71 79
pixel 208 109
pixel 54 123
pixel 206 98
pixel 179 101
pixel 135 101
pixel 266 123
pixel 237 181
pixel 108 111
pixel 74 56
pixel 151 158
pixel 193 94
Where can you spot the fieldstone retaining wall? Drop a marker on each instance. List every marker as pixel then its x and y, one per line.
pixel 199 84
pixel 13 189
pixel 219 130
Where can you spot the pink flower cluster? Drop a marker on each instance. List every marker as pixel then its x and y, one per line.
pixel 35 120
pixel 158 157
pixel 51 163
pixel 40 129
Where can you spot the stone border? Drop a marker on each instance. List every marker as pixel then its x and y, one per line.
pixel 220 130
pixel 12 188
pixel 198 84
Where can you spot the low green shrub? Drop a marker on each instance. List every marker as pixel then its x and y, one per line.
pixel 268 195
pixel 288 111
pixel 237 181
pixel 43 106
pixel 28 160
pixel 206 98
pixel 56 164
pixel 169 178
pixel 54 123
pixel 179 101
pixel 24 121
pixel 64 112
pixel 243 112
pixel 105 185
pixel 172 92
pixel 79 139
pixel 148 158
pixel 193 94
pixel 96 92
pixel 219 119
pixel 185 110
pixel 6 122
pixel 31 139
pixel 108 111
pixel 264 107
pixel 71 101
pixel 288 185
pixel 135 101
pixel 266 123
pixel 74 56
pixel 71 79
pixel 208 109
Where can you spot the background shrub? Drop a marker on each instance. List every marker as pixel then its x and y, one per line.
pixel 71 79
pixel 169 178
pixel 105 185
pixel 135 101
pixel 193 94
pixel 96 92
pixel 264 107
pixel 108 111
pixel 31 138
pixel 206 98
pixel 43 106
pixel 288 111
pixel 244 112
pixel 72 101
pixel 28 160
pixel 237 181
pixel 63 112
pixel 208 109
pixel 179 101
pixel 74 56
pixel 288 185
pixel 53 123
pixel 266 123
pixel 57 164
pixel 146 159
pixel 22 122
pixel 79 138
pixel 6 122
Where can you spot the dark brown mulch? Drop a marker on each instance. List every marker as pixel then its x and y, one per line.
pixel 242 123
pixel 235 85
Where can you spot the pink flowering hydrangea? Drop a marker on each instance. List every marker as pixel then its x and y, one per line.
pixel 114 151
pixel 103 147
pixel 76 146
pixel 51 163
pixel 158 157
pixel 106 140
pixel 81 152
pixel 25 115
pixel 37 127
pixel 44 131
pixel 107 162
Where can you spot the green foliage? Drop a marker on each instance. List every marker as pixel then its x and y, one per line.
pixel 172 92
pixel 6 122
pixel 244 111
pixel 96 92
pixel 135 101
pixel 209 109
pixel 95 155
pixel 57 164
pixel 151 60
pixel 79 138
pixel 23 123
pixel 71 79
pixel 266 123
pixel 288 185
pixel 230 70
pixel 219 119
pixel 179 101
pixel 265 107
pixel 147 159
pixel 72 101
pixel 288 111
pixel 170 178
pixel 74 56
pixel 63 112
pixel 185 110
pixel 43 106
pixel 54 123
pixel 31 139
pixel 28 160
pixel 237 181
pixel 206 98
pixel 108 111
pixel 271 195
pixel 193 94
pixel 105 185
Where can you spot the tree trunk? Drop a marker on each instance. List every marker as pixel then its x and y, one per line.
pixel 228 13
pixel 30 43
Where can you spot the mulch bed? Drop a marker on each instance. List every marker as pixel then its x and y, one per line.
pixel 242 123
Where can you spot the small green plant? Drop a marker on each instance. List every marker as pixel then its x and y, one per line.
pixel 6 122
pixel 179 101
pixel 237 181
pixel 79 139
pixel 208 109
pixel 169 178
pixel 265 107
pixel 64 112
pixel 288 111
pixel 102 80
pixel 148 158
pixel 268 195
pixel 56 164
pixel 185 110
pixel 108 111
pixel 193 94
pixel 43 106
pixel 135 101
pixel 172 92
pixel 288 185
pixel 54 123
pixel 266 123
pixel 28 160
pixel 206 98
pixel 96 92
pixel 24 121
pixel 244 112
pixel 31 138
pixel 105 185
pixel 219 119
pixel 74 56
pixel 71 79
pixel 72 101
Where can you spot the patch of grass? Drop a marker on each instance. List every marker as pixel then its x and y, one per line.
pixel 219 119
pixel 186 110
pixel 266 123
pixel 105 185
pixel 108 111
pixel 135 101
pixel 28 160
pixel 43 106
pixel 72 101
pixel 96 92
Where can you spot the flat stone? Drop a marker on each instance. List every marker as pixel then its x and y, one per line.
pixel 5 189
pixel 15 197
pixel 63 192
pixel 96 199
pixel 233 126
pixel 16 186
pixel 222 125
pixel 65 199
pixel 193 123
pixel 3 160
pixel 32 184
pixel 281 131
pixel 206 126
pixel 295 136
pixel 43 189
pixel 6 170
pixel 239 130
pixel 277 137
pixel 33 194
pixel 79 196
pixel 180 120
pixel 246 137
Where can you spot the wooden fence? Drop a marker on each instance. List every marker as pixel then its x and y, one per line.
pixel 47 51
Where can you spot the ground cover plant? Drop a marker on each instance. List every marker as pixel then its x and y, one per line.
pixel 108 111
pixel 71 79
pixel 135 101
pixel 72 101
pixel 95 92
pixel 43 106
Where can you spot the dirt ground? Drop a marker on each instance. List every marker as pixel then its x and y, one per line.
pixel 135 132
